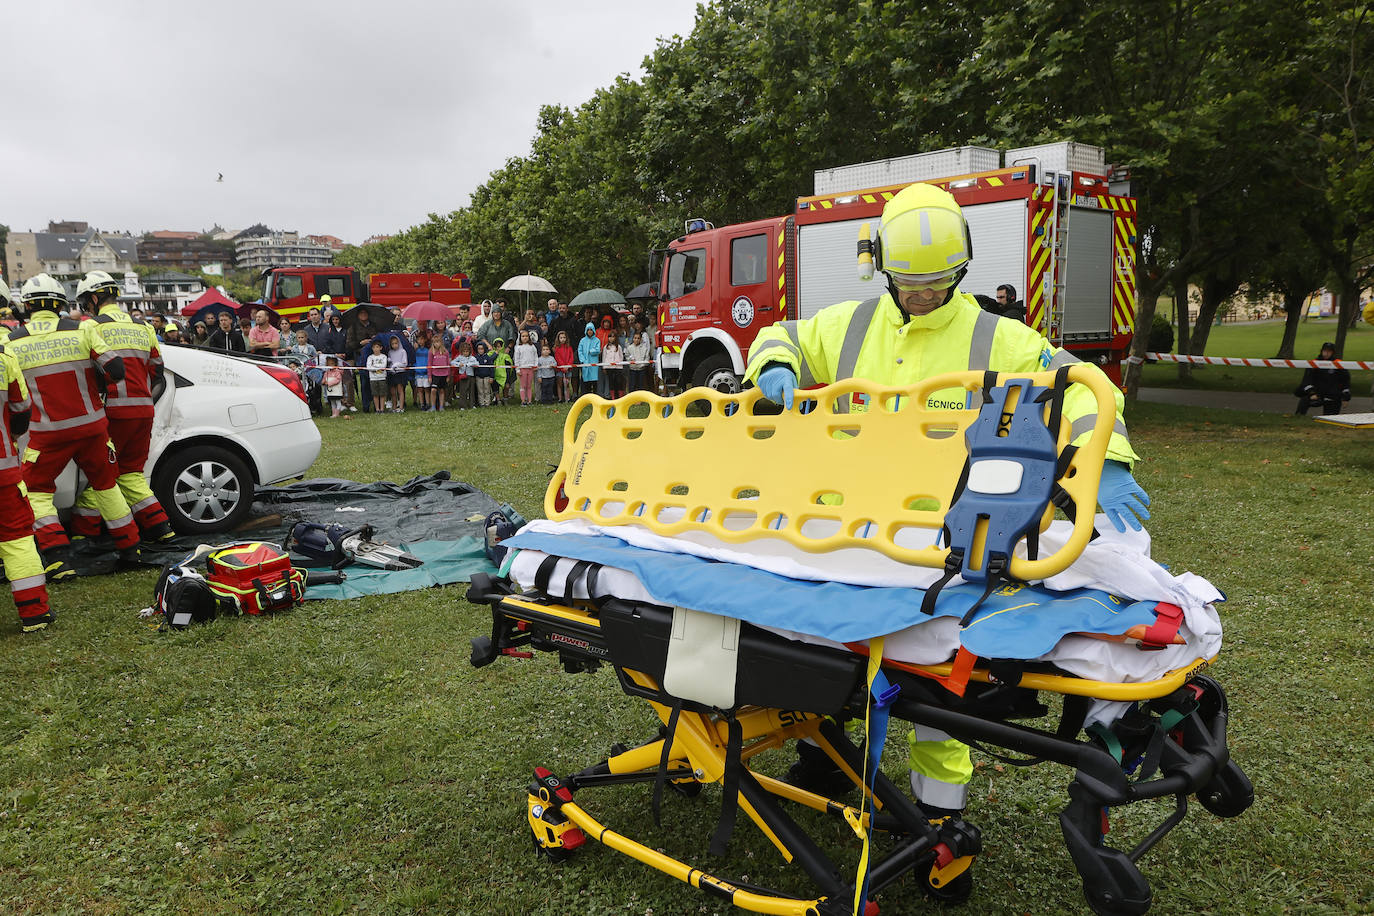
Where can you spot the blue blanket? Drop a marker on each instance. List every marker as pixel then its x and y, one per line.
pixel 1015 621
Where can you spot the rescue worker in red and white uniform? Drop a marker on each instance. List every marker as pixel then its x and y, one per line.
pixel 128 409
pixel 23 567
pixel 61 360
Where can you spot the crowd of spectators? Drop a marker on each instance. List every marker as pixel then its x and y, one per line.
pixel 543 356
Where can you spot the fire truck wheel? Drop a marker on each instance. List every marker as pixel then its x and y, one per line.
pixel 716 372
pixel 204 489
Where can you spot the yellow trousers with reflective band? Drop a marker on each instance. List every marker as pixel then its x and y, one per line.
pixel 21 559
pixel 940 768
pixel 133 485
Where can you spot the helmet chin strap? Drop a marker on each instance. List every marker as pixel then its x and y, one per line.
pixel 949 293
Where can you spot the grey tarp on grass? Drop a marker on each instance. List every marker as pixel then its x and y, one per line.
pixel 428 508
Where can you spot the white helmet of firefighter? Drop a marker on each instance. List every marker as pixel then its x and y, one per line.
pixel 4 293
pixel 924 241
pixel 43 292
pixel 94 283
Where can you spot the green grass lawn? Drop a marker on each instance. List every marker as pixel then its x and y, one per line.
pixel 1261 340
pixel 345 758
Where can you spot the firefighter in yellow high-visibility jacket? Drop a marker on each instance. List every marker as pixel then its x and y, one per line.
pixel 59 358
pixel 23 567
pixel 924 325
pixel 128 409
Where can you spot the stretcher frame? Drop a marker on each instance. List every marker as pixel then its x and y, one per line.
pixel 1193 759
pixel 1173 738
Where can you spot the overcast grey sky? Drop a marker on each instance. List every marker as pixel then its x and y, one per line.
pixel 347 117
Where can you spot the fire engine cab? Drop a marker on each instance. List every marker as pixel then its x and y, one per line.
pixel 1048 222
pixel 292 291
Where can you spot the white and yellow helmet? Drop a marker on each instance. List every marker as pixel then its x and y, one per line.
pixel 924 240
pixel 95 281
pixel 43 292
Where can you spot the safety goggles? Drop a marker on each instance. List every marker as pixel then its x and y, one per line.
pixel 914 284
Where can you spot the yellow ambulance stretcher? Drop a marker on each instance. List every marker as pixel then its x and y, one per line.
pixel 714 553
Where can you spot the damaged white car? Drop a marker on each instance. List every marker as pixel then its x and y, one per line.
pixel 223 425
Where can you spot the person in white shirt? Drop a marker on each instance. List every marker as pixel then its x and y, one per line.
pixel 482 318
pixel 376 376
pixel 638 355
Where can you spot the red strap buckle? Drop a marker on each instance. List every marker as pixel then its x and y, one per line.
pixel 957 680
pixel 1161 633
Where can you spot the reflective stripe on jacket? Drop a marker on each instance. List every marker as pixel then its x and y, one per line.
pixel 136 344
pixel 16 397
pixel 59 357
pixel 870 340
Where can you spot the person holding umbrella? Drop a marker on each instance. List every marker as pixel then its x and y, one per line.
pixel 363 323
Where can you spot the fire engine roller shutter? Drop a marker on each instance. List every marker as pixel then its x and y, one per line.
pixel 999 247
pixel 828 266
pixel 1088 299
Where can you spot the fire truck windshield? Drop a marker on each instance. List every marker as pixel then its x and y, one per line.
pixel 686 272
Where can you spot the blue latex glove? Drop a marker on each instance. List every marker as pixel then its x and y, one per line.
pixel 778 384
pixel 1120 497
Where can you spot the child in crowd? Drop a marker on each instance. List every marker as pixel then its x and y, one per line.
pixel 485 373
pixel 589 358
pixel 423 390
pixel 526 362
pixel 302 349
pixel 638 357
pixel 545 372
pixel 564 357
pixel 334 385
pixel 465 372
pixel 397 365
pixel 613 362
pixel 376 375
pixel 439 372
pixel 503 370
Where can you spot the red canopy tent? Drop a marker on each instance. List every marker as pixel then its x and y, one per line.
pixel 211 296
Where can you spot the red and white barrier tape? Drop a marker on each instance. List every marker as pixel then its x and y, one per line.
pixel 1262 363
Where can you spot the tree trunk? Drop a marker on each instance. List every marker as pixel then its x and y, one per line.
pixel 1217 287
pixel 1183 343
pixel 1292 304
pixel 1144 318
pixel 1349 300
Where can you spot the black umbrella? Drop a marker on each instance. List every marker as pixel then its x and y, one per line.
pixel 378 316
pixel 210 315
pixel 643 291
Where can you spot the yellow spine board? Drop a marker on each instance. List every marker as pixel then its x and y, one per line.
pixel 880 479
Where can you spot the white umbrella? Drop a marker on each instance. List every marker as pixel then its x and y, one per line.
pixel 529 283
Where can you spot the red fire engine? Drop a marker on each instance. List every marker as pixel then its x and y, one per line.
pixel 1047 223
pixel 293 291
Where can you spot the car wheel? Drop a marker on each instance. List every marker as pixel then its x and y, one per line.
pixel 717 373
pixel 204 489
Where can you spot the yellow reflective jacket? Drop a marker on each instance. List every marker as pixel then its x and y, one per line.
pixel 870 340
pixel 16 399
pixel 59 357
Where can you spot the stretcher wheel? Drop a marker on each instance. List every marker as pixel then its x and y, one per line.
pixel 1229 793
pixel 686 788
pixel 553 854
pixel 953 893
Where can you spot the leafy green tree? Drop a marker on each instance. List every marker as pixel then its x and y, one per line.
pixel 1171 90
pixel 1332 113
